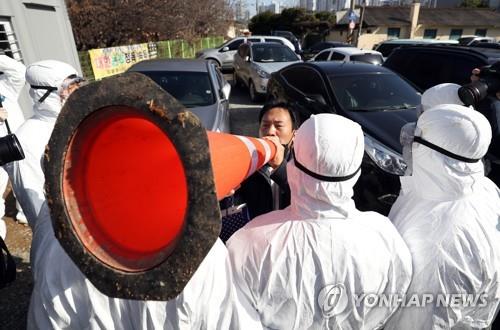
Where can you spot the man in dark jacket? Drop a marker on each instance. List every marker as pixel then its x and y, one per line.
pixel 267 189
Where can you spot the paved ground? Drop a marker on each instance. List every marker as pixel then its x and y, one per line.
pixel 14 300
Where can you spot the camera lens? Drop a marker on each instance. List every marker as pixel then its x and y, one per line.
pixel 10 149
pixel 472 93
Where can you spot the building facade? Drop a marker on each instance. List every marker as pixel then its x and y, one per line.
pixel 383 23
pixel 36 30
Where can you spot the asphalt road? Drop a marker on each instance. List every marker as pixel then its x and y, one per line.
pixel 243 113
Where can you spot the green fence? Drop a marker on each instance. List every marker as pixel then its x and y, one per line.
pixel 165 49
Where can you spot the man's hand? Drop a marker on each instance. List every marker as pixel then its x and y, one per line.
pixel 280 151
pixel 3 114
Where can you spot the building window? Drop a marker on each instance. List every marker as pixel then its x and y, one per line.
pixel 481 32
pixel 455 34
pixel 8 41
pixel 393 32
pixel 430 33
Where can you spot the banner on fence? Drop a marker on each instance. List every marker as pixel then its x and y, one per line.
pixel 113 60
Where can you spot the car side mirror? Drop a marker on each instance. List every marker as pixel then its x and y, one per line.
pixel 226 91
pixel 225 49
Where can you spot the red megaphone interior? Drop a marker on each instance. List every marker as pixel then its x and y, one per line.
pixel 125 186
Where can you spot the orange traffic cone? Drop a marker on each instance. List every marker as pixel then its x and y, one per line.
pixel 133 181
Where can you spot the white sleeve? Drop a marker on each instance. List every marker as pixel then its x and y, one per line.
pixel 13 77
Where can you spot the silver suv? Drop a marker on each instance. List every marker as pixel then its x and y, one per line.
pixel 255 62
pixel 223 55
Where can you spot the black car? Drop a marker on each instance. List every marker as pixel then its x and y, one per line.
pixel 316 48
pixel 427 66
pixel 374 97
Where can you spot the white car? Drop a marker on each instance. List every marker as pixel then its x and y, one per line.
pixel 348 54
pixel 223 55
pixel 255 62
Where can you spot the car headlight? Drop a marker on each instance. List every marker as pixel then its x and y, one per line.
pixel 263 74
pixel 388 160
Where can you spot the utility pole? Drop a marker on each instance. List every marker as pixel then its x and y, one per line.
pixel 360 26
pixel 350 32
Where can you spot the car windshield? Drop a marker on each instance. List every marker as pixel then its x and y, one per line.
pixel 192 89
pixel 272 53
pixel 371 92
pixel 368 58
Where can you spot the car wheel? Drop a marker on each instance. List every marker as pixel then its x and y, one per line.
pixel 254 96
pixel 236 80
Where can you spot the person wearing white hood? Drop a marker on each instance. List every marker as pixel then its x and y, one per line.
pixel 46 81
pixel 446 93
pixel 449 216
pixel 310 265
pixel 11 83
pixel 63 298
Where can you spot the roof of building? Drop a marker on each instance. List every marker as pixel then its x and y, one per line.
pixel 400 16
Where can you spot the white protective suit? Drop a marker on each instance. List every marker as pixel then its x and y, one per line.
pixel 449 216
pixel 26 175
pixel 307 266
pixel 11 83
pixel 62 297
pixel 446 93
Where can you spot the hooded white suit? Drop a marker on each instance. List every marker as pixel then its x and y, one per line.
pixel 449 216
pixel 63 298
pixel 446 93
pixel 293 264
pixel 11 83
pixel 26 175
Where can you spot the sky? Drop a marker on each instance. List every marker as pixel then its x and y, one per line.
pixel 251 4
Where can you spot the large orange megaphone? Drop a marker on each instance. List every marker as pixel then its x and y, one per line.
pixel 133 182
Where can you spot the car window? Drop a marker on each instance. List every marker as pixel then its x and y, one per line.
pixel 276 41
pixel 235 44
pixel 272 53
pixel 254 39
pixel 337 57
pixel 322 56
pixel 368 58
pixel 369 92
pixel 427 69
pixel 307 80
pixel 192 89
pixel 386 49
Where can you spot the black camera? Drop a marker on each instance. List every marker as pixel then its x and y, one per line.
pixel 488 83
pixel 10 148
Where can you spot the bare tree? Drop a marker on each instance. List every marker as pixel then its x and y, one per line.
pixel 104 23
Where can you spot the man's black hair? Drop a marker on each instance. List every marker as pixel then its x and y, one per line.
pixel 279 103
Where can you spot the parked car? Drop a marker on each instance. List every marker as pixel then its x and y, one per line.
pixel 386 47
pixel 371 95
pixel 348 54
pixel 223 55
pixel 197 84
pixel 309 53
pixel 429 65
pixel 474 40
pixel 255 62
pixel 291 37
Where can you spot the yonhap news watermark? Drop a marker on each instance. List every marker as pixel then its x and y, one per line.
pixel 333 299
pixel 421 300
